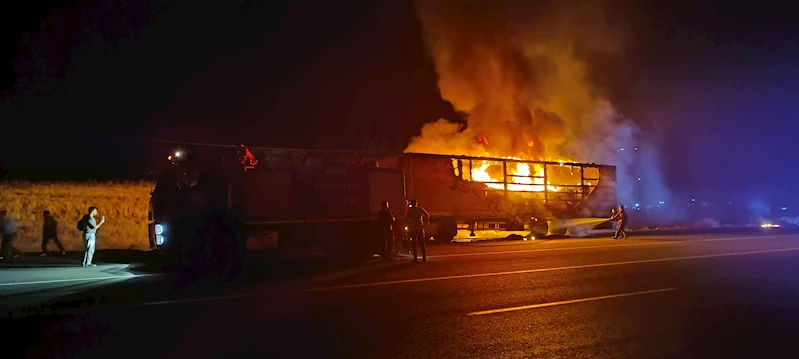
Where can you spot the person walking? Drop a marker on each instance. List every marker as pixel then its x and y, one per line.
pixel 89 226
pixel 49 232
pixel 9 228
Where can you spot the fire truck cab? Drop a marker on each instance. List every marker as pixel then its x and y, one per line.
pixel 196 207
pixel 217 204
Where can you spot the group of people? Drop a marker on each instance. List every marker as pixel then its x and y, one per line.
pixel 621 226
pixel 416 218
pixel 88 226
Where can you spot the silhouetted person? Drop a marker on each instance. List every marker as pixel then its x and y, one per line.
pixel 9 227
pixel 89 228
pixel 385 228
pixel 49 231
pixel 416 218
pixel 621 216
pixel 612 220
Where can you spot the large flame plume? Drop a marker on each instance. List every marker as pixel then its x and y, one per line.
pixel 526 76
pixel 515 70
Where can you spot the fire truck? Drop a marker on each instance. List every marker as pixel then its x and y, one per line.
pixel 213 204
pixel 216 204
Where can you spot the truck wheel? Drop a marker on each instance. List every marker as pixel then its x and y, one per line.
pixel 186 252
pixel 447 229
pixel 361 243
pixel 214 245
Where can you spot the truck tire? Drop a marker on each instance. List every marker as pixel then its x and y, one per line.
pixel 331 241
pixel 447 229
pixel 539 228
pixel 212 244
pixel 348 242
pixel 361 242
pixel 228 247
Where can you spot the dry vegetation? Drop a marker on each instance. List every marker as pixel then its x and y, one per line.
pixel 124 204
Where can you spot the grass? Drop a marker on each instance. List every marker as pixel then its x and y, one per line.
pixel 125 205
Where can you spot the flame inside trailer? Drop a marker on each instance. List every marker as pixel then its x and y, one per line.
pixel 516 175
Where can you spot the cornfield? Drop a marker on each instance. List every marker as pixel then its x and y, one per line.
pixel 125 205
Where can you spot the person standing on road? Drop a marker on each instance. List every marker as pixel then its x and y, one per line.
pixel 385 225
pixel 49 232
pixel 89 226
pixel 417 218
pixel 612 220
pixel 9 228
pixel 621 216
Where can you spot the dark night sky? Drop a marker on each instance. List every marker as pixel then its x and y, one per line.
pixel 716 81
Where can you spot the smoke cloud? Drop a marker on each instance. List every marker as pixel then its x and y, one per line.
pixel 516 70
pixel 522 73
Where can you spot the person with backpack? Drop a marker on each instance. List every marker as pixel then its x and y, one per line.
pixel 88 226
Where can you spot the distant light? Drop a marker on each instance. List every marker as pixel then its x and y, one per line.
pixel 784 208
pixel 621 150
pixel 693 199
pixel 662 202
pixel 636 148
pixel 639 178
pixel 770 225
pixel 178 154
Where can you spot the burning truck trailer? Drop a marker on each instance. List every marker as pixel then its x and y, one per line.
pixel 214 206
pixel 472 198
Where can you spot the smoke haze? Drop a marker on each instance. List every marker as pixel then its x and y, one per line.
pixel 522 73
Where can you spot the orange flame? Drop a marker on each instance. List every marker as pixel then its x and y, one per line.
pixel 525 182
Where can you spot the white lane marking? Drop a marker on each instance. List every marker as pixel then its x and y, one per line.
pixel 607 246
pixel 545 250
pixel 49 294
pixel 409 257
pixel 552 304
pixel 191 300
pixel 74 280
pixel 526 271
pixel 239 296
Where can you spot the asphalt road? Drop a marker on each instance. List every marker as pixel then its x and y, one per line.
pixel 689 296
